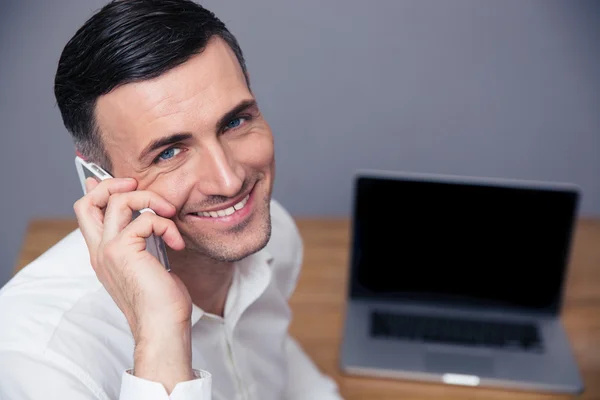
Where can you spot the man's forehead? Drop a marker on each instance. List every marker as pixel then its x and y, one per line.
pixel 206 85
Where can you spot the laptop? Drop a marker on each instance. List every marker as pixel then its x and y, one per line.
pixel 460 280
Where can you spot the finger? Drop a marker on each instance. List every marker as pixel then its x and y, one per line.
pixel 88 209
pixel 101 194
pixel 151 224
pixel 121 207
pixel 90 184
pixel 90 228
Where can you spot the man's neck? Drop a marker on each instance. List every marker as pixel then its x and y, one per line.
pixel 207 280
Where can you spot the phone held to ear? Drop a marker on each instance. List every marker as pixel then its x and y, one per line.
pixel 154 245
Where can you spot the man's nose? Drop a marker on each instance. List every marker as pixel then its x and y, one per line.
pixel 220 174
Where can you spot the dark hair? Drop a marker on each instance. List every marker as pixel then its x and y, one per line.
pixel 128 41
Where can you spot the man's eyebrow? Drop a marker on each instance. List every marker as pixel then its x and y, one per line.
pixel 242 106
pixel 179 137
pixel 164 141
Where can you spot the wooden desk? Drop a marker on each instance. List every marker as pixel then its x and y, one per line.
pixel 318 306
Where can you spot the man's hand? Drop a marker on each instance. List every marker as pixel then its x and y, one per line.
pixel 155 302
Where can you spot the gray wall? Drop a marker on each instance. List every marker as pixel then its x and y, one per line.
pixel 489 88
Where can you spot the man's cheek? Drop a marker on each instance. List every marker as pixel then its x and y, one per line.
pixel 176 191
pixel 257 151
pixel 178 201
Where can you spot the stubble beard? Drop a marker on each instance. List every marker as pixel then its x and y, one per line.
pixel 253 239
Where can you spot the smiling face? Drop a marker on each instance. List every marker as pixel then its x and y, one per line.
pixel 195 136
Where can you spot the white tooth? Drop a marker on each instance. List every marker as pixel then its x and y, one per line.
pixel 221 213
pixel 205 214
pixel 213 214
pixel 242 203
pixel 229 211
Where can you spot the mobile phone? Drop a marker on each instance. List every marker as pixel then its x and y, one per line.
pixel 154 245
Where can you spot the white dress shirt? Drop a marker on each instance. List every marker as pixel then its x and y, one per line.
pixel 63 337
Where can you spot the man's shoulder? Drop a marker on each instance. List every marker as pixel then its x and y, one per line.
pixel 286 248
pixel 36 300
pixel 63 258
pixel 55 311
pixel 285 242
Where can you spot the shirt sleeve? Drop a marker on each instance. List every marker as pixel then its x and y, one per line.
pixel 305 381
pixel 133 388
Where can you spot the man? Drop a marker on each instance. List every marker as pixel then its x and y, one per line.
pixel 157 93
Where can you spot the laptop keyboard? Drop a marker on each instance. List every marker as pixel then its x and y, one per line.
pixel 456 331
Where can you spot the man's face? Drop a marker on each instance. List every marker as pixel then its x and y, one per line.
pixel 195 136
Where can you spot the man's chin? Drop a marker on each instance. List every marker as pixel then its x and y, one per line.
pixel 238 244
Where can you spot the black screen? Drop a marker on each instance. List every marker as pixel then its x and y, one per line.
pixel 461 243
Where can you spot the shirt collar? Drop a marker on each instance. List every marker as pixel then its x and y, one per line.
pixel 253 274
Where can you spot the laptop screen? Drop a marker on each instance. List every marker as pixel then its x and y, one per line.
pixel 454 243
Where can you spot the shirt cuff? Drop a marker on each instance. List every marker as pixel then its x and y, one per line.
pixel 134 388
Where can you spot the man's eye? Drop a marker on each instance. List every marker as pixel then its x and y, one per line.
pixel 169 153
pixel 234 123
